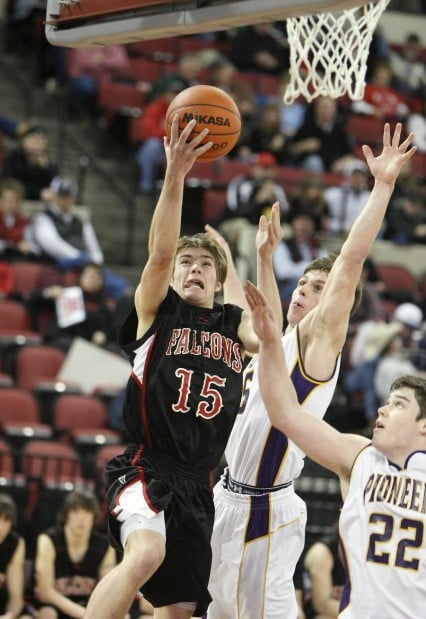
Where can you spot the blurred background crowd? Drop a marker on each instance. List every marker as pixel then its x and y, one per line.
pixel 81 163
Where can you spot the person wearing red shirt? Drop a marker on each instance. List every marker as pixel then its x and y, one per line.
pixel 150 155
pixel 380 99
pixel 15 240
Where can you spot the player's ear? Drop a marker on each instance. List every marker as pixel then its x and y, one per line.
pixel 218 286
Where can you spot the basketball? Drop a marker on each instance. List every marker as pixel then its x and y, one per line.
pixel 213 109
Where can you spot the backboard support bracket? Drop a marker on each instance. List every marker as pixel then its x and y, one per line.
pixel 72 24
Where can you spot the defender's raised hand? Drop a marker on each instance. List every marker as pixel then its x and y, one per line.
pixel 264 323
pixel 269 233
pixel 386 166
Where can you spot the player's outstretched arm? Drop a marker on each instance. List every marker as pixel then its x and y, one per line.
pixel 315 437
pixel 233 291
pixel 268 237
pixel 166 221
pixel 338 295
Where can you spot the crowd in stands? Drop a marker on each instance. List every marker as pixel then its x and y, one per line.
pixel 311 142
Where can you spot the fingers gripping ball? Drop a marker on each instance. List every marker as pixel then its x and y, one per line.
pixel 213 109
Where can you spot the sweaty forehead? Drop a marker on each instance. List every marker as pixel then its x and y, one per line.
pixel 315 276
pixel 195 252
pixel 403 393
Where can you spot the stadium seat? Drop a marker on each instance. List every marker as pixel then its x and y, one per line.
pixel 37 364
pixel 144 70
pixel 27 277
pixel 118 98
pixel 52 470
pixel 36 369
pixel 365 129
pixel 6 380
pixel 418 165
pixel 160 50
pixel 13 483
pixel 82 421
pixel 214 205
pixel 15 332
pixel 20 417
pixel 400 283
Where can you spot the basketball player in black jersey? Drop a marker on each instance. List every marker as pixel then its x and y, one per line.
pixel 70 559
pixel 12 556
pixel 182 397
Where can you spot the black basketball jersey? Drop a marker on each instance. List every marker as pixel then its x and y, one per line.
pixel 185 387
pixel 7 550
pixel 76 581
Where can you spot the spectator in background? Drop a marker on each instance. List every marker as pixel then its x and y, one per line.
pixel 248 197
pixel 380 339
pixel 309 196
pixel 248 111
pixel 85 312
pixel 61 236
pixel 416 123
pixel 406 219
pixel 393 362
pixel 261 48
pixel 324 576
pixel 66 240
pixel 298 588
pixel 71 558
pixel 408 67
pixel 12 557
pixel 293 254
pixel 150 155
pixel 88 66
pixel 187 71
pixel 393 347
pixel 322 143
pixel 30 162
pixel 9 126
pixel 221 73
pixel 266 134
pixel 371 306
pixel 346 201
pixel 292 114
pixel 15 233
pixel 380 99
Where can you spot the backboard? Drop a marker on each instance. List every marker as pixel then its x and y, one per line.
pixel 90 23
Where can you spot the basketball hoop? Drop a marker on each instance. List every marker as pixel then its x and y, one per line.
pixel 329 52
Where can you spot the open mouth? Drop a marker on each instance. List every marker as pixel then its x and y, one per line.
pixel 194 282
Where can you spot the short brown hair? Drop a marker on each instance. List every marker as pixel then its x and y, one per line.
pixel 205 241
pixel 11 184
pixel 79 499
pixel 8 508
pixel 418 385
pixel 325 264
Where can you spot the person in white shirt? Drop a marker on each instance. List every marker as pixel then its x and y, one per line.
pixel 63 238
pixel 346 201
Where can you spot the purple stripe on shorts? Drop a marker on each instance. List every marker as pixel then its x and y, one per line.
pixel 258 525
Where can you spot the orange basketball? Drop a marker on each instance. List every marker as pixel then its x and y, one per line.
pixel 212 108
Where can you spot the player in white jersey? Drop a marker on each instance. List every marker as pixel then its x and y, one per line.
pixel 259 527
pixel 383 482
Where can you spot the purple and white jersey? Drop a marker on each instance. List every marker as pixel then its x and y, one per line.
pixel 383 533
pixel 258 454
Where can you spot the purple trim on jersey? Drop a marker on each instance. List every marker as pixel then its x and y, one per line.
pixel 258 524
pixel 346 591
pixel 277 443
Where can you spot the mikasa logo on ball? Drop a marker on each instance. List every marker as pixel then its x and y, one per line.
pixel 206 120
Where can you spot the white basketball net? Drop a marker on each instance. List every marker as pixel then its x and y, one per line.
pixel 329 51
